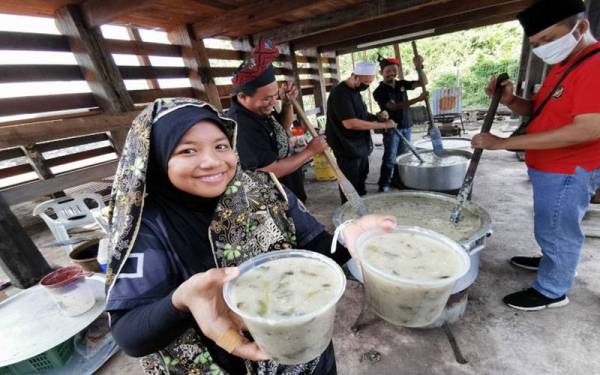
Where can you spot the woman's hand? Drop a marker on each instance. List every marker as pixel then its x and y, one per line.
pixel 366 223
pixel 202 295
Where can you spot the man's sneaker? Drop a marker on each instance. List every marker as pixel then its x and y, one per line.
pixel 384 189
pixel 532 300
pixel 528 263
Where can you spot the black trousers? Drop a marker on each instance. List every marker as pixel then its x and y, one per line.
pixel 356 171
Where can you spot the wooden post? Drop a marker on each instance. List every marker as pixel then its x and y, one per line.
pixel 196 60
pixel 97 65
pixel 294 61
pixel 144 60
pixel 19 257
pixel 321 88
pixel 36 160
pixel 399 57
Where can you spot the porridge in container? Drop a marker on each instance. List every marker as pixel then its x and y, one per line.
pixel 410 273
pixel 287 300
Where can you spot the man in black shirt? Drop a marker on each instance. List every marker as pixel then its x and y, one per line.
pixel 391 97
pixel 262 141
pixel 349 125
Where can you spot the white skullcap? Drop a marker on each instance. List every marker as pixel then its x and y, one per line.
pixel 364 68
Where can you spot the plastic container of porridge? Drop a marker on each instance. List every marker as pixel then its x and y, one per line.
pixel 69 290
pixel 287 300
pixel 409 273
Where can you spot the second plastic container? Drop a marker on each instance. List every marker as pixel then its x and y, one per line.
pixel 409 273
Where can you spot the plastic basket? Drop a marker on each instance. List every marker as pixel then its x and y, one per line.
pixel 53 358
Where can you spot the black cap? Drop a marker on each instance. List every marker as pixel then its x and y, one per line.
pixel 546 13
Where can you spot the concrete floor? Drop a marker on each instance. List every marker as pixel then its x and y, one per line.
pixel 493 338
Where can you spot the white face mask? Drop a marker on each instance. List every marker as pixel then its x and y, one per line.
pixel 558 50
pixel 588 37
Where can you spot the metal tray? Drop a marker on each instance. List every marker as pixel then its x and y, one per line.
pixel 31 323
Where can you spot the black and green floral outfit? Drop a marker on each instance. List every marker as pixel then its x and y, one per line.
pixel 161 236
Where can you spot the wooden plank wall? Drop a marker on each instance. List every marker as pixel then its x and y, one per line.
pixel 34 143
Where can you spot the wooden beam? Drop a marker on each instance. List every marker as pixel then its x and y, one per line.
pixel 39 73
pixel 328 22
pixel 142 48
pixel 241 20
pixel 19 257
pixel 94 57
pixel 147 96
pixel 32 190
pixel 38 162
pixel 143 59
pixel 15 41
pixel 197 62
pixel 45 103
pixel 227 54
pixel 321 88
pixel 418 19
pixel 71 142
pixel 149 72
pixel 16 170
pixel 100 12
pixel 26 134
pixel 11 153
pixel 296 74
pixel 78 156
pixel 351 45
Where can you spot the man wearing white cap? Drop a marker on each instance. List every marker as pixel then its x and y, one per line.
pixel 349 125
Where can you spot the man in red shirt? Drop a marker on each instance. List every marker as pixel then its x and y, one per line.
pixel 562 145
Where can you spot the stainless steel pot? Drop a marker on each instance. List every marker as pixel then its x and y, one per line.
pixel 385 202
pixel 433 177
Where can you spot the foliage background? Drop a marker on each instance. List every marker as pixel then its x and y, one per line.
pixel 470 56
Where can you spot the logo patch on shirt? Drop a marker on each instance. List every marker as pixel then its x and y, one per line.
pixel 558 92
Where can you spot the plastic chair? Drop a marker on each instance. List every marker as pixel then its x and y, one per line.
pixel 70 212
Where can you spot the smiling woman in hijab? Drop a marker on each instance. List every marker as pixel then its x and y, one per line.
pixel 183 215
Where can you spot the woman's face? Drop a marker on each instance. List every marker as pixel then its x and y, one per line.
pixel 203 162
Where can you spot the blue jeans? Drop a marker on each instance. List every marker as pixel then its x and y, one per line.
pixel 559 203
pixel 392 147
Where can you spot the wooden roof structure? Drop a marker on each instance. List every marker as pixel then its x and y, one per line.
pixel 330 25
pixel 311 34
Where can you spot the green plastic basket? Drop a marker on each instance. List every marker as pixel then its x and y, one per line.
pixel 53 358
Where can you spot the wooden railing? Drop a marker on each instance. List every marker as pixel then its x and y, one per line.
pixel 98 119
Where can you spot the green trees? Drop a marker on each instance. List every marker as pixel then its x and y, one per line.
pixel 469 56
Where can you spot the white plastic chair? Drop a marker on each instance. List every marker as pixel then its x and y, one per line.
pixel 71 212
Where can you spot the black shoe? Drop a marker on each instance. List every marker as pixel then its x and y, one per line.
pixel 532 300
pixel 528 263
pixel 384 189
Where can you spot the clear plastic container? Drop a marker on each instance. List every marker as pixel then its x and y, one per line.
pixel 299 337
pixel 68 288
pixel 405 297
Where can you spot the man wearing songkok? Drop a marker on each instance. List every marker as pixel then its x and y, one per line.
pixel 263 142
pixel 561 143
pixel 391 95
pixel 349 125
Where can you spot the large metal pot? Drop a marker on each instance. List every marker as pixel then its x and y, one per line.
pixel 402 201
pixel 432 177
